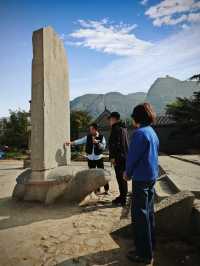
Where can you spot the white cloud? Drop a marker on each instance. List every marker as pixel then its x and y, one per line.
pixel 172 12
pixel 185 26
pixel 177 55
pixel 144 2
pixel 109 38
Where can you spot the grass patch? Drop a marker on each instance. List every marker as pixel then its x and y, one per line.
pixel 17 155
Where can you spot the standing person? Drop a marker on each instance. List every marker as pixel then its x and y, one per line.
pixel 142 168
pixel 118 148
pixel 95 144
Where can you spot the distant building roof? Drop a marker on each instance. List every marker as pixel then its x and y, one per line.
pixel 102 119
pixel 161 120
pixel 104 115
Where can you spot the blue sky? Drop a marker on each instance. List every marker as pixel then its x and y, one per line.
pixel 112 45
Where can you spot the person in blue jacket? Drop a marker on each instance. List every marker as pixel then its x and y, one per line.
pixel 142 168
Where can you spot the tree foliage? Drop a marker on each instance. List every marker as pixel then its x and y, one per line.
pixel 186 112
pixel 79 120
pixel 195 77
pixel 15 133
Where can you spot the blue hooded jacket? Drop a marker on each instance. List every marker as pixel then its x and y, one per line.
pixel 142 160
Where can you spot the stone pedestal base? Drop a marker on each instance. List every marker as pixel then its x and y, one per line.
pixel 173 214
pixel 60 183
pixel 27 163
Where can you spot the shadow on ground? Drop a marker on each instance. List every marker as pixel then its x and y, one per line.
pixel 13 213
pixel 18 213
pixel 169 252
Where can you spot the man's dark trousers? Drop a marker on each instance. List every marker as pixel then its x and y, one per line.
pixel 98 164
pixel 119 172
pixel 143 218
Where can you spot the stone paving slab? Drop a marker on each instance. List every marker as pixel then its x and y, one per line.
pixel 164 188
pixel 185 175
pixel 195 159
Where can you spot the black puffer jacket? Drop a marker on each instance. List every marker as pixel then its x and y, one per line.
pixel 118 142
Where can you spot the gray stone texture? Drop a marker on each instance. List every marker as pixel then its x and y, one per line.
pixel 60 183
pixel 50 114
pixel 184 175
pixel 164 188
pixel 84 183
pixel 173 214
pixel 27 163
pixel 50 176
pixel 196 217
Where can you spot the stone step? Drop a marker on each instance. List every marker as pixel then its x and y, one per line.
pixel 165 188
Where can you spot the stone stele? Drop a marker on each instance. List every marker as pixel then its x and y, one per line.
pixel 51 176
pixel 50 113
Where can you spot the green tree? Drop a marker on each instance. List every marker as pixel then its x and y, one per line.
pixel 195 77
pixel 15 132
pixel 79 120
pixel 186 112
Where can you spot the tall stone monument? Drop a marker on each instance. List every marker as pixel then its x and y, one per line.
pixel 50 114
pixel 50 176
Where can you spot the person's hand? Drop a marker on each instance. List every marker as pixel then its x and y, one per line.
pixel 95 141
pixel 113 162
pixel 125 177
pixel 68 143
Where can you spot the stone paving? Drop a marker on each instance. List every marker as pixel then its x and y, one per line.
pixel 193 158
pixel 185 175
pixel 32 234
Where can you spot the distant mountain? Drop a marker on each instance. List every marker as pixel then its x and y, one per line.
pixel 114 101
pixel 162 92
pixel 165 90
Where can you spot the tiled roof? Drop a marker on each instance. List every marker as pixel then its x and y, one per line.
pixel 106 113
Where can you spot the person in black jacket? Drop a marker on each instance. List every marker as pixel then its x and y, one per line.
pixel 118 149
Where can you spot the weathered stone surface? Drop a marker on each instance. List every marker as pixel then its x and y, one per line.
pixel 164 188
pixel 184 175
pixel 19 191
pixel 45 190
pixel 196 217
pixel 60 183
pixel 26 163
pixel 36 191
pixel 62 173
pixel 55 191
pixel 24 177
pixel 50 104
pixel 49 177
pixel 84 183
pixel 173 214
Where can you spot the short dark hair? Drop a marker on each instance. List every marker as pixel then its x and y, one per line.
pixel 94 125
pixel 114 115
pixel 144 114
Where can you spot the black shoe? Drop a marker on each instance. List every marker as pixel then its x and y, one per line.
pixel 132 256
pixel 119 201
pixel 131 252
pixel 123 202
